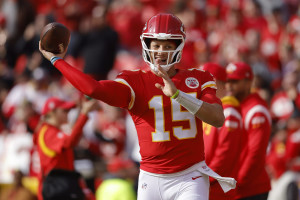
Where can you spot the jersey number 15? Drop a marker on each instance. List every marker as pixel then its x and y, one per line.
pixel 177 114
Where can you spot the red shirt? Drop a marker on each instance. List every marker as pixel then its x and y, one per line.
pixel 170 137
pixel 276 157
pixel 55 148
pixel 223 147
pixel 293 151
pixel 252 176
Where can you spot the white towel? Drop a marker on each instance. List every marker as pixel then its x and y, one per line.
pixel 226 183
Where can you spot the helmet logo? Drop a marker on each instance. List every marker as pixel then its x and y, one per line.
pixel 182 29
pixel 230 68
pixel 51 105
pixel 192 82
pixel 145 27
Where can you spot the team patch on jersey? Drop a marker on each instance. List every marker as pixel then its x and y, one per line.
pixel 231 125
pixel 60 135
pixel 257 109
pixel 257 121
pixel 280 149
pixel 192 82
pixel 230 68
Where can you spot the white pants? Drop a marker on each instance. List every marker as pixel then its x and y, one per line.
pixel 190 186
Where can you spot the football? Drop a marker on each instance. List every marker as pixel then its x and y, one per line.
pixel 54 34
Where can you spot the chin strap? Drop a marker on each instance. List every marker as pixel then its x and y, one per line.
pixel 165 67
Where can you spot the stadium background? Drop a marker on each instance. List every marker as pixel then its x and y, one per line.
pixel 105 40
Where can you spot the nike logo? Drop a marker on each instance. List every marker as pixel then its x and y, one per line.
pixel 194 178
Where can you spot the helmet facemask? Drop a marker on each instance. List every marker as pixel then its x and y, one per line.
pixel 175 55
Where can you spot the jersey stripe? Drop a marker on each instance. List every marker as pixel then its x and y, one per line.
pixel 233 112
pixel 210 84
pixel 47 151
pixel 120 80
pixel 257 109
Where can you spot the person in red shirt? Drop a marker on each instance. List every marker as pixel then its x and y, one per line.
pixel 223 145
pixel 275 160
pixel 167 106
pixel 292 156
pixel 55 148
pixel 253 180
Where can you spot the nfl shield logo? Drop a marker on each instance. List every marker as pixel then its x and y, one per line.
pixel 192 82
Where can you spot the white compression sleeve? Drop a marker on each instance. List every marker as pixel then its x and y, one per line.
pixel 191 103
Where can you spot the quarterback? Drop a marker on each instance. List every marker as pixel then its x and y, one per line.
pixel 167 106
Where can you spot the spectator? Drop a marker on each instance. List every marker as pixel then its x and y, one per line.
pixel 126 15
pixel 223 145
pixel 264 34
pixel 275 161
pixel 100 45
pixel 286 186
pixel 19 14
pixel 17 191
pixel 285 100
pixel 253 180
pixel 55 147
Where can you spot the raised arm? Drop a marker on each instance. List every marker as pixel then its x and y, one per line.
pixel 110 92
pixel 73 139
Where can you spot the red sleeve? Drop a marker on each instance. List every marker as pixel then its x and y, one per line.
pixel 210 96
pixel 258 138
pixel 73 139
pixel 208 89
pixel 110 92
pixel 228 148
pixel 57 141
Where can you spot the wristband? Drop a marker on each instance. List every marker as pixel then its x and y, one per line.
pixel 54 59
pixel 175 95
pixel 87 97
pixel 191 103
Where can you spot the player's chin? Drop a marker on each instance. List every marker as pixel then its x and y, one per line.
pixel 160 62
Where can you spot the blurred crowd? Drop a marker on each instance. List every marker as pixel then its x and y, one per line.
pixel 105 39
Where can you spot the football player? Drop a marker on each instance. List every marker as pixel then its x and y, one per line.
pixel 167 106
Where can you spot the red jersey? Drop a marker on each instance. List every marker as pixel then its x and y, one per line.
pixel 275 160
pixel 293 151
pixel 55 148
pixel 252 177
pixel 170 137
pixel 223 147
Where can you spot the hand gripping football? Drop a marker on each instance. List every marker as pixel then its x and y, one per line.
pixel 53 35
